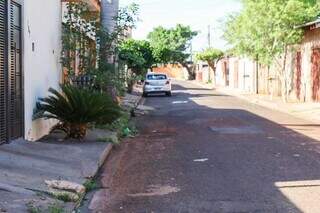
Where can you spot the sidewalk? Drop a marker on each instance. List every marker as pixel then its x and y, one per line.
pixel 25 166
pixel 306 111
pixel 132 100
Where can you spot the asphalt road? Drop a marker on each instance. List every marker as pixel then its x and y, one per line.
pixel 202 151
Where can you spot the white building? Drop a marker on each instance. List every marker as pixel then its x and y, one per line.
pixel 41 58
pixel 30 48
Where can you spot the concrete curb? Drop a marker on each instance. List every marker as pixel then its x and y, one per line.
pixel 105 154
pixel 109 147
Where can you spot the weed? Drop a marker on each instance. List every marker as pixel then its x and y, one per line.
pixel 64 197
pixel 112 139
pixel 90 185
pixel 55 208
pixel 123 126
pixel 33 209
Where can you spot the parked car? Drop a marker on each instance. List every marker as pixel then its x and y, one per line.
pixel 157 83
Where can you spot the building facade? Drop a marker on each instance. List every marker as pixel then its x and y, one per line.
pixel 299 82
pixel 30 63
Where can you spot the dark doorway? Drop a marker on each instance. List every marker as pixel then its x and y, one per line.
pixel 11 75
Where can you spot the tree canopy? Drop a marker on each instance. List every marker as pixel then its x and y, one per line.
pixel 210 55
pixel 171 45
pixel 137 54
pixel 265 28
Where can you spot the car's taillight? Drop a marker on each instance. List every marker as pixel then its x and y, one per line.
pixel 168 82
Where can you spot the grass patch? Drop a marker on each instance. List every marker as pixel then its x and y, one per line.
pixel 33 209
pixel 52 208
pixel 112 139
pixel 123 126
pixel 90 185
pixel 64 197
pixel 55 208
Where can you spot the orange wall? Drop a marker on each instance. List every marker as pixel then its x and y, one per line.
pixel 173 71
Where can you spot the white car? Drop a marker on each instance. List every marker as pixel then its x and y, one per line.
pixel 157 83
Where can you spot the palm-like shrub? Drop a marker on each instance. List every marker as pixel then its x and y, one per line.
pixel 76 107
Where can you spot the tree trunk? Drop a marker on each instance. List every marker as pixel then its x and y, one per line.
pixel 213 78
pixel 192 74
pixel 77 131
pixel 283 77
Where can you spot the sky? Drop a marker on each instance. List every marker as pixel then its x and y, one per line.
pixel 199 14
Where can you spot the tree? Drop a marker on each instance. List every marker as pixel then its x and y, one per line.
pixel 211 56
pixel 108 75
pixel 171 45
pixel 266 28
pixel 137 54
pixel 78 39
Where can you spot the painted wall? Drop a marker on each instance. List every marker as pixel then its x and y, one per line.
pixel 311 40
pixel 42 68
pixel 172 70
pixel 241 74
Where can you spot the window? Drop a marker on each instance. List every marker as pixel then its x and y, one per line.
pixel 157 77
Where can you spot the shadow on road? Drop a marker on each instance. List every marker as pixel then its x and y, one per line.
pixel 253 164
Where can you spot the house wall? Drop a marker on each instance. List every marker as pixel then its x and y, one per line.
pixel 42 68
pixel 297 76
pixel 172 70
pixel 234 72
pixel 220 75
pixel 311 40
pixel 241 74
pixel 202 70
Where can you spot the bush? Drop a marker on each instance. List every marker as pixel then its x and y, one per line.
pixel 76 107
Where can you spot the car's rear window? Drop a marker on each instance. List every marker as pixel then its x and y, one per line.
pixel 156 77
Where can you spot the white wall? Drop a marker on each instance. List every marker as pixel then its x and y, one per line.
pixel 246 74
pixel 232 61
pixel 42 68
pixel 220 74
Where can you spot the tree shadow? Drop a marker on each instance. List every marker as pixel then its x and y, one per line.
pixel 255 164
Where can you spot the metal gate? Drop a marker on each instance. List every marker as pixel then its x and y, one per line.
pixel 11 78
pixel 315 72
pixel 298 75
pixel 236 74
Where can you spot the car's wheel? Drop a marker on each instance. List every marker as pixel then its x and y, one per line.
pixel 168 94
pixel 144 94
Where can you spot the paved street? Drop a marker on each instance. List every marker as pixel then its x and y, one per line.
pixel 201 151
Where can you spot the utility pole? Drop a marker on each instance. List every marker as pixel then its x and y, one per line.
pixel 209 36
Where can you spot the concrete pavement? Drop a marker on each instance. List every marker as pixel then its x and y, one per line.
pixel 203 151
pixel 25 166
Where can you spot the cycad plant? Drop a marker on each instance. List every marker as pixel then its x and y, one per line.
pixel 76 107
